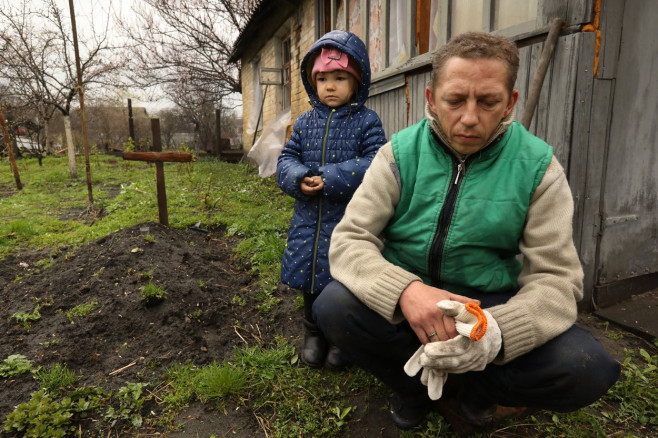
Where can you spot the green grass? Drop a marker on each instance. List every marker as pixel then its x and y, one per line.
pixel 151 294
pixel 54 377
pixel 53 211
pixel 80 310
pixel 299 400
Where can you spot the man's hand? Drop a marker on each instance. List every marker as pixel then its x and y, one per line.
pixel 418 305
pixel 464 353
pixel 311 185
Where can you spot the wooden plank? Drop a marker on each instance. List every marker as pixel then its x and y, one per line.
pixel 398 102
pixel 586 161
pixel 535 55
pixel 573 12
pixel 159 157
pixel 417 85
pixel 542 68
pixel 612 15
pixel 523 79
pixel 561 99
pixel 629 249
pixel 387 84
pixel 549 9
pixel 580 11
pixel 161 189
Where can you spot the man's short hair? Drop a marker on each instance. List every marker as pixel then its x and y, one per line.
pixel 475 45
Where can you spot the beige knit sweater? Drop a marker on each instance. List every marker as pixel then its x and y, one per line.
pixel 550 282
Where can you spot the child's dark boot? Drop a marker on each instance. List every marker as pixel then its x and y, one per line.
pixel 315 346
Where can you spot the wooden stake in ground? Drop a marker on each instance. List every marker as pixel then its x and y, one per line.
pixel 10 150
pixel 158 157
pixel 82 105
pixel 542 67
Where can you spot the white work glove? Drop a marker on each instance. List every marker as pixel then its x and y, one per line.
pixel 432 378
pixel 462 353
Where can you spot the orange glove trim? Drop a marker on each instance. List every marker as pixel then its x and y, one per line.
pixel 480 328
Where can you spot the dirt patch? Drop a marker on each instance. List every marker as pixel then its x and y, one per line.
pixel 201 320
pixel 198 321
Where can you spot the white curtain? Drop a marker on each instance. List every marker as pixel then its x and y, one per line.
pixel 397 50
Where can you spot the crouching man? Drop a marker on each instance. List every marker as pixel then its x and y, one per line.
pixel 429 285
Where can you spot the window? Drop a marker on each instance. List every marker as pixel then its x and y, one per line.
pixel 398 25
pixel 354 17
pixel 326 17
pixel 466 15
pixel 423 15
pixel 396 31
pixel 340 15
pixel 285 73
pixel 375 32
pixel 508 13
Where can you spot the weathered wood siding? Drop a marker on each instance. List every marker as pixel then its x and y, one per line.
pixel 629 203
pixel 603 131
pixel 554 113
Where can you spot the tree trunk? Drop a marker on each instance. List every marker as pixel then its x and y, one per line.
pixel 70 146
pixel 45 134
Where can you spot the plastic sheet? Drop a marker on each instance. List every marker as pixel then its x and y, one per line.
pixel 267 148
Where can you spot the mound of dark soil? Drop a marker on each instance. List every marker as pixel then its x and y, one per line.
pixel 210 308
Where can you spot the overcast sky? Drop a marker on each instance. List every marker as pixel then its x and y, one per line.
pixel 94 14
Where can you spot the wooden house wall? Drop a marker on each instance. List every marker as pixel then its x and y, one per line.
pixel 628 238
pixel 574 114
pixel 554 112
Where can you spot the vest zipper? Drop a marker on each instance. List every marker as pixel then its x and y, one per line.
pixel 445 217
pixel 317 229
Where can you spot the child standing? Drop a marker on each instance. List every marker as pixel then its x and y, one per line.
pixel 322 164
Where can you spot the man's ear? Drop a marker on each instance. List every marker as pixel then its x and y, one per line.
pixel 512 101
pixel 430 98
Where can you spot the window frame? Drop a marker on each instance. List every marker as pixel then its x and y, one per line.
pixel 286 72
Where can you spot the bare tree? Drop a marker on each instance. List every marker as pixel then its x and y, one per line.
pixel 36 59
pixel 183 46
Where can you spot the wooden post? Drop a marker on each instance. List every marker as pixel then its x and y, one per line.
pixel 159 173
pixel 158 157
pixel 131 125
pixel 81 94
pixel 218 130
pixel 10 150
pixel 540 73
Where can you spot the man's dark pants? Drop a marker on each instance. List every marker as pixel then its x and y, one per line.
pixel 569 372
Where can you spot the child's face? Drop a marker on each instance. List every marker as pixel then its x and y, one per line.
pixel 335 88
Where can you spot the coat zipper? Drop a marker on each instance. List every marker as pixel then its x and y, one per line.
pixel 445 218
pixel 317 230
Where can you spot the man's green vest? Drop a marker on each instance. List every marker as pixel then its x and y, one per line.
pixel 484 215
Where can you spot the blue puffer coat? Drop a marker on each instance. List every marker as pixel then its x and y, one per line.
pixel 338 144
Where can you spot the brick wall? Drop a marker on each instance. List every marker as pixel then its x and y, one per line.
pixel 302 35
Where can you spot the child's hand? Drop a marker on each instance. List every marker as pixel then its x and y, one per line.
pixel 311 185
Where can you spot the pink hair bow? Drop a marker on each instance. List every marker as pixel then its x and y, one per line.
pixel 332 55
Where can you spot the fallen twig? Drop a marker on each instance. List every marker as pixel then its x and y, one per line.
pixel 261 423
pixel 133 363
pixel 235 328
